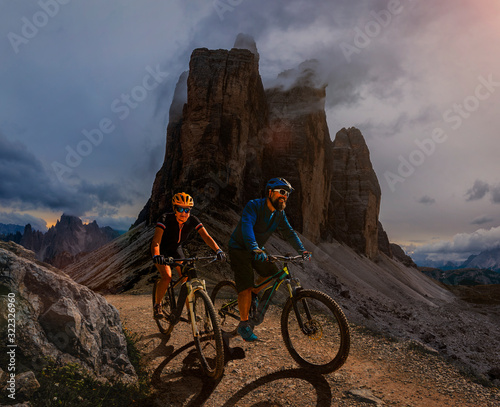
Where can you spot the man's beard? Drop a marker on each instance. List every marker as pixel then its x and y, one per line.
pixel 279 204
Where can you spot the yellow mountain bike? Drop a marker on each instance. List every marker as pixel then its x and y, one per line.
pixel 201 314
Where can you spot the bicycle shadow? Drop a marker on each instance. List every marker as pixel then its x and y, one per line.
pixel 190 383
pixel 319 383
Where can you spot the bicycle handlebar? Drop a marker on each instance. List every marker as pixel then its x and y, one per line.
pixel 193 259
pixel 276 257
pixel 169 261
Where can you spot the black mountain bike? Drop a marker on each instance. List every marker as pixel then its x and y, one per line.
pixel 313 326
pixel 201 314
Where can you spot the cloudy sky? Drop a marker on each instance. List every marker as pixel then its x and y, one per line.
pixel 85 89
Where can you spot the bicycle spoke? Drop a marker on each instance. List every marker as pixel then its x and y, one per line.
pixel 165 325
pixel 225 299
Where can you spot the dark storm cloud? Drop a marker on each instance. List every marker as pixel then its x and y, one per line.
pixel 23 219
pixel 298 31
pixel 495 194
pixel 480 220
pixel 478 190
pixel 426 200
pixel 25 184
pixel 464 243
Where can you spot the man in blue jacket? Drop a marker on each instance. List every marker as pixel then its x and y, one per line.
pixel 260 218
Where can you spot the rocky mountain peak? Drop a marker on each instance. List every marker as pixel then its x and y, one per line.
pixel 67 239
pixel 232 135
pixel 487 259
pixel 245 41
pixel 69 220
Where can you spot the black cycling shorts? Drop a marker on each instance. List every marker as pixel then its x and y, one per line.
pixel 243 264
pixel 174 252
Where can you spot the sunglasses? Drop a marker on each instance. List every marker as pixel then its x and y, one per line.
pixel 283 192
pixel 180 210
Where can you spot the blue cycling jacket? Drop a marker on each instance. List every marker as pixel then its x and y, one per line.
pixel 256 225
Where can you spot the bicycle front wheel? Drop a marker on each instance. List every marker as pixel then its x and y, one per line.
pixel 225 299
pixel 164 324
pixel 208 336
pixel 315 331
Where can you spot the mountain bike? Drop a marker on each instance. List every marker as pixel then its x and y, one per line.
pixel 201 314
pixel 313 326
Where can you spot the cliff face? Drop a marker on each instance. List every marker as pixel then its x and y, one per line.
pixel 355 198
pixel 62 243
pixel 231 136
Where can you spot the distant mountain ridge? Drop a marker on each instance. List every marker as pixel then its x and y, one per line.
pixel 488 259
pixel 482 268
pixel 63 243
pixel 8 229
pixel 466 276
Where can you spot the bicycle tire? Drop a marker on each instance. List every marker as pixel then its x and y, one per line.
pixel 323 345
pixel 208 340
pixel 164 324
pixel 225 299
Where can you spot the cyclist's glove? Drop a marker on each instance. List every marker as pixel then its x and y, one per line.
pixel 158 259
pixel 259 255
pixel 221 256
pixel 306 255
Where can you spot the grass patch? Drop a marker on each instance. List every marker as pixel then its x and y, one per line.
pixel 70 385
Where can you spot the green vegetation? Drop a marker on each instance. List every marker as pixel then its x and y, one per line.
pixel 70 385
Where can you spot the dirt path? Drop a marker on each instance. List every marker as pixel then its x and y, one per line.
pixel 262 374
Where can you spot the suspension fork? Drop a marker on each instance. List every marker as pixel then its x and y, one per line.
pixel 293 291
pixel 193 286
pixel 190 307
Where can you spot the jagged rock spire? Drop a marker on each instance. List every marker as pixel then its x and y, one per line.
pixel 233 136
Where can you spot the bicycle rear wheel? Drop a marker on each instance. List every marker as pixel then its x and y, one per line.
pixel 208 337
pixel 164 324
pixel 225 299
pixel 323 343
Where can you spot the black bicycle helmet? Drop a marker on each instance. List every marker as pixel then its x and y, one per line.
pixel 275 183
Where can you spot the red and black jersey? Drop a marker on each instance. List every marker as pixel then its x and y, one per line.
pixel 174 234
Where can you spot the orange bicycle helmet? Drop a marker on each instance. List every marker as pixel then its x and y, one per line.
pixel 182 199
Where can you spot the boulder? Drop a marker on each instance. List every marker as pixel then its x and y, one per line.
pixel 60 319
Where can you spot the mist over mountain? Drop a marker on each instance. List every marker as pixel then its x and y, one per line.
pixel 232 135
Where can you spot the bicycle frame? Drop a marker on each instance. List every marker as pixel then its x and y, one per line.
pixel 283 275
pixel 189 283
pixel 310 319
